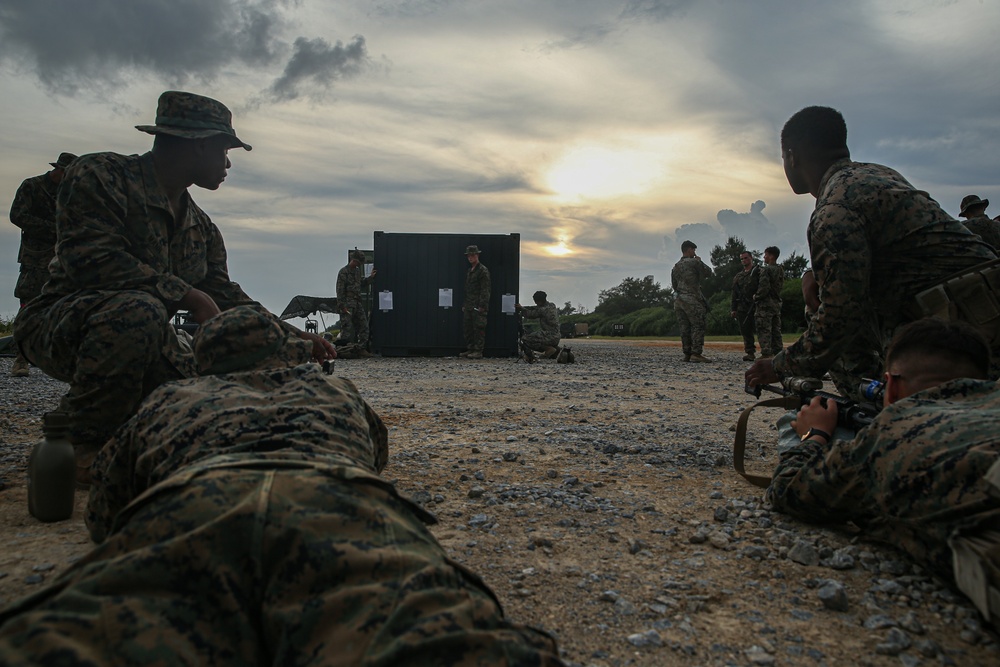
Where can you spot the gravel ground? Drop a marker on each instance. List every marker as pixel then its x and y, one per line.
pixel 598 500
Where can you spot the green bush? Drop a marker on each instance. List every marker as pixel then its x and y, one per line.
pixel 6 325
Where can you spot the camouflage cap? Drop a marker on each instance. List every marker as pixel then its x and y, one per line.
pixel 65 160
pixel 968 201
pixel 358 255
pixel 472 250
pixel 193 117
pixel 246 338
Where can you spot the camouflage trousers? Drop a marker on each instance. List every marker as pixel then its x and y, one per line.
pixel 767 319
pixel 745 321
pixel 539 340
pixel 354 326
pixel 107 345
pixel 691 317
pixel 245 566
pixel 474 329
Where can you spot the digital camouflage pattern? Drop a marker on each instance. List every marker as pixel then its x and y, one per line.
pixel 987 229
pixel 102 321
pixel 741 302
pixel 477 296
pixel 34 212
pixel 767 311
pixel 689 302
pixel 911 479
pixel 350 303
pixel 241 522
pixel 875 242
pixel 547 334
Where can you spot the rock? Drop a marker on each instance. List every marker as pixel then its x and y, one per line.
pixel 804 553
pixel 645 639
pixel 833 595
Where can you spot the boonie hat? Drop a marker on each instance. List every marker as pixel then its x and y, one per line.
pixel 472 250
pixel 968 201
pixel 358 255
pixel 65 159
pixel 246 338
pixel 193 117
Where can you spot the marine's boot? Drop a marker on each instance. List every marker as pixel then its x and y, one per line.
pixel 20 369
pixel 474 355
pixel 687 357
pixel 700 359
pixel 550 352
pixel 748 356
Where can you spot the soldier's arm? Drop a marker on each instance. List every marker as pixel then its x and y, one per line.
pixel 841 262
pixel 113 488
pixel 217 284
pixel 484 294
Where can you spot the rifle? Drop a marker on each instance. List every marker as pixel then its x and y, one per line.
pixel 795 392
pixel 526 352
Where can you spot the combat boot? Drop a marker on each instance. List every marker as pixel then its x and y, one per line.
pixel 700 359
pixel 687 357
pixel 474 355
pixel 748 356
pixel 463 354
pixel 550 352
pixel 20 369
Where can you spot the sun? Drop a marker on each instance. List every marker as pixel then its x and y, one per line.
pixel 596 172
pixel 559 249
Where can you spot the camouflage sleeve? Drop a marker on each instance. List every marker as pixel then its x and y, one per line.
pixel 841 261
pixel 531 312
pixel 483 294
pixel 818 483
pixel 342 285
pixel 114 481
pixel 705 270
pixel 93 249
pixel 734 299
pixel 673 277
pixel 217 284
pixel 21 210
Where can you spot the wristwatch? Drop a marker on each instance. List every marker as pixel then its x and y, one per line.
pixel 814 432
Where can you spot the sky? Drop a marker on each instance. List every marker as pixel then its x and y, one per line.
pixel 604 132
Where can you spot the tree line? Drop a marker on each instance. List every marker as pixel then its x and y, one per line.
pixel 645 308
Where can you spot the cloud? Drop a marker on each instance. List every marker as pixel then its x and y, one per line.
pixel 315 65
pixel 655 10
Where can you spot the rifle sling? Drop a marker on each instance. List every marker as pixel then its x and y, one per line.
pixel 739 444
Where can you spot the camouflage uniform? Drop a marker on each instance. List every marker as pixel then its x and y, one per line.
pixel 987 229
pixel 34 211
pixel 767 312
pixel 242 522
pixel 875 241
pixel 102 321
pixel 477 295
pixel 913 478
pixel 353 318
pixel 689 302
pixel 744 287
pixel 548 334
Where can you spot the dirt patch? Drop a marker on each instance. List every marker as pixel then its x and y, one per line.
pixel 598 500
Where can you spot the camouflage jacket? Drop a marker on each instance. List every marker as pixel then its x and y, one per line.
pixel 116 232
pixel 744 287
pixel 34 211
pixel 477 288
pixel 273 418
pixel 350 282
pixel 911 478
pixel 772 278
pixel 686 278
pixel 874 241
pixel 548 318
pixel 987 229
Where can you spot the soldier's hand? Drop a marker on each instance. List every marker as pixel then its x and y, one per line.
pixel 819 413
pixel 199 305
pixel 732 314
pixel 322 348
pixel 372 274
pixel 762 372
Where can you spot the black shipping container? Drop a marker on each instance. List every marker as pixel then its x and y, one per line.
pixel 413 269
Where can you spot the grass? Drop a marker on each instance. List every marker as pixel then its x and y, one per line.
pixel 6 325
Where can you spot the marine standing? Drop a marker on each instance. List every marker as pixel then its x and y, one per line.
pixel 350 304
pixel 34 211
pixel 767 301
pixel 690 304
pixel 973 209
pixel 476 306
pixel 741 307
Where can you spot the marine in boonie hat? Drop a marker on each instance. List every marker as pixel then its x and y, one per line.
pixel 245 339
pixel 472 250
pixel 968 201
pixel 64 160
pixel 358 255
pixel 193 117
